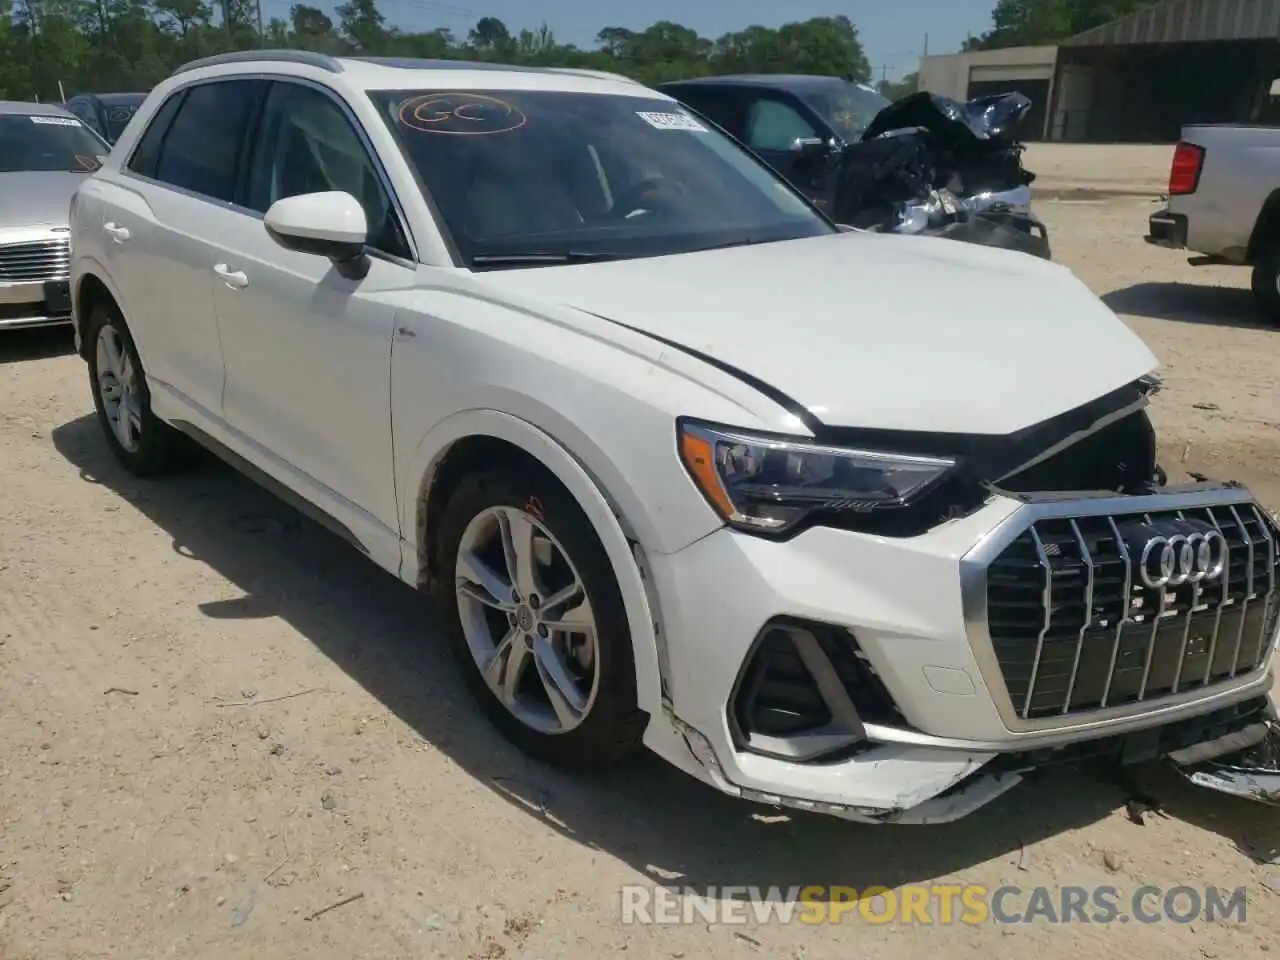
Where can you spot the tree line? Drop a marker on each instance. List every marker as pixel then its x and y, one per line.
pixel 48 46
pixel 53 46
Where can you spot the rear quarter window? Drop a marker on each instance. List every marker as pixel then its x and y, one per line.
pixel 147 152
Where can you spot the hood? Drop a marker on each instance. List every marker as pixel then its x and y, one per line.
pixel 37 198
pixel 872 330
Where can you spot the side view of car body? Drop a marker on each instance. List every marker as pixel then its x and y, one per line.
pixel 44 154
pixel 106 114
pixel 682 463
pixel 1224 203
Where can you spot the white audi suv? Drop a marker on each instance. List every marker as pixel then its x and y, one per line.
pixel 849 522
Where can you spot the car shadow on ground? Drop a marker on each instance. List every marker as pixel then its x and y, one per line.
pixel 35 343
pixel 1189 303
pixel 661 822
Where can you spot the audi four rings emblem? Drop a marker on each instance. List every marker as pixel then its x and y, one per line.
pixel 1181 558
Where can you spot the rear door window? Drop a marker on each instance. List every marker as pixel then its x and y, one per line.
pixel 202 147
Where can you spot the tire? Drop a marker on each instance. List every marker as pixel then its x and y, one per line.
pixel 151 447
pixel 1266 282
pixel 610 725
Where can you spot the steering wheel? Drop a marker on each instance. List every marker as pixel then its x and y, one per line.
pixel 647 196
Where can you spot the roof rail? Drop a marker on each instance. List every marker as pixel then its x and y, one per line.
pixel 416 63
pixel 595 74
pixel 307 57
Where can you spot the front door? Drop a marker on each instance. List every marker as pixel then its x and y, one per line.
pixel 773 126
pixel 307 351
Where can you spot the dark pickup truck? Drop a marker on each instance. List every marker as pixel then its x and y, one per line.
pixel 799 124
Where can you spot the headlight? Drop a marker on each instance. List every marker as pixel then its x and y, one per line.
pixel 769 484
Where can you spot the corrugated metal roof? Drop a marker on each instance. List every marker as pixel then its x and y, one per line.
pixel 1182 21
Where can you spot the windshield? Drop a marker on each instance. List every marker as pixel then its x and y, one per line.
pixel 41 143
pixel 848 107
pixel 552 177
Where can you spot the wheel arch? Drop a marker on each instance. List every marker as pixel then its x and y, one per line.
pixel 92 286
pixel 472 440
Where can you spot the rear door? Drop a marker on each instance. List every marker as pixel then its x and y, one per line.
pixel 160 221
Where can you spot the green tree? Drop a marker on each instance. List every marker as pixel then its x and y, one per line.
pixel 183 15
pixel 132 44
pixel 310 28
pixel 362 25
pixel 896 90
pixel 491 40
pixel 1017 23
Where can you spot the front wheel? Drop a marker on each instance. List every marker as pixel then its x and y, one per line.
pixel 537 620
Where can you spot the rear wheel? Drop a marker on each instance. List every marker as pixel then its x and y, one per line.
pixel 143 444
pixel 1266 282
pixel 537 620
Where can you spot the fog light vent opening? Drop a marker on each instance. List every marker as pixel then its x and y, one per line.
pixel 805 693
pixel 779 696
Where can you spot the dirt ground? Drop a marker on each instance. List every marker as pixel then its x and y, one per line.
pixel 217 720
pixel 1120 167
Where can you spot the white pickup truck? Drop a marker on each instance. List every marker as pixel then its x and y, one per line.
pixel 1224 203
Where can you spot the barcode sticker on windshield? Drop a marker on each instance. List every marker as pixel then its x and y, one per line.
pixel 672 121
pixel 57 121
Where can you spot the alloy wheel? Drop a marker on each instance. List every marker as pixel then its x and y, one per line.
pixel 527 619
pixel 118 388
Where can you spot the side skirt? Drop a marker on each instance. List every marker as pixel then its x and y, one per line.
pixel 265 480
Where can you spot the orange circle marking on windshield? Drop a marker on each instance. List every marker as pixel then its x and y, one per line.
pixel 460 114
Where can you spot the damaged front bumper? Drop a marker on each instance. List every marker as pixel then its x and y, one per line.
pixel 1244 764
pixel 915 680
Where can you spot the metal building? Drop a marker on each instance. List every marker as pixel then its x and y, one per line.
pixel 1139 78
pixel 1026 70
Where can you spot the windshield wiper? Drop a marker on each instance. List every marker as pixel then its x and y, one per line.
pixel 534 259
pixel 741 242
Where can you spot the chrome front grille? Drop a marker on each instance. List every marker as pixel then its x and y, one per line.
pixel 35 261
pixel 1074 628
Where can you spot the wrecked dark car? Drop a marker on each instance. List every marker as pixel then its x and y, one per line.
pixel 922 165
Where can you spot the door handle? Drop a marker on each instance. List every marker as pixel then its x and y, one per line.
pixel 235 279
pixel 116 232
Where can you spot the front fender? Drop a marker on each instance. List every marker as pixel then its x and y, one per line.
pixel 86 266
pixel 600 511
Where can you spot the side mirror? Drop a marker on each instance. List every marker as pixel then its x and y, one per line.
pixel 330 224
pixel 810 146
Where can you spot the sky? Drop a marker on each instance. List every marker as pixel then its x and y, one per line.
pixel 893 33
